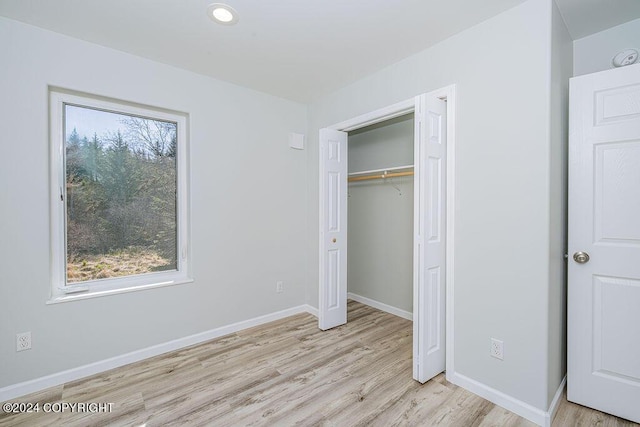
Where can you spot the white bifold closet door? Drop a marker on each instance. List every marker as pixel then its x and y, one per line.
pixel 332 310
pixel 429 295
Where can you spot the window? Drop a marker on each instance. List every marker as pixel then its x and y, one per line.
pixel 119 196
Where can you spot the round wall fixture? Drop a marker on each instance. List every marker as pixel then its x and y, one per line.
pixel 626 57
pixel 222 13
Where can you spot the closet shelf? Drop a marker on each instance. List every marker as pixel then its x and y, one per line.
pixel 392 172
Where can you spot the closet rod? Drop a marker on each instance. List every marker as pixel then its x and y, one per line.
pixel 383 176
pixel 369 172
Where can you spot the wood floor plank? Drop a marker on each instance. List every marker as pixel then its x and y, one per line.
pixel 292 390
pixel 329 399
pixel 288 373
pixel 415 404
pixel 130 411
pixel 206 399
pixel 362 397
pixel 569 412
pixel 36 419
pixel 499 417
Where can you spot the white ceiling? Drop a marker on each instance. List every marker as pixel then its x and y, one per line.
pixel 290 48
pixel 586 17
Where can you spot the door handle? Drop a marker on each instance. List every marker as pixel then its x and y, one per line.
pixel 581 257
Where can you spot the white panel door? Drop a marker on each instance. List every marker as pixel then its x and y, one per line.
pixel 604 223
pixel 429 238
pixel 332 310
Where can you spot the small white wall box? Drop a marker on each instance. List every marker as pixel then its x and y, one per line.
pixel 296 141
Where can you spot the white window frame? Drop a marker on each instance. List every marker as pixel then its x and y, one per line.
pixel 60 290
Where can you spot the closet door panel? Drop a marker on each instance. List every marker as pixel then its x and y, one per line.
pixel 429 244
pixel 332 310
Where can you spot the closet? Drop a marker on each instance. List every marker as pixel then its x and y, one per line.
pixel 361 244
pixel 380 215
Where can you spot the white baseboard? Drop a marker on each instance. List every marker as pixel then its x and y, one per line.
pixel 380 306
pixel 311 310
pixel 23 388
pixel 531 413
pixel 555 403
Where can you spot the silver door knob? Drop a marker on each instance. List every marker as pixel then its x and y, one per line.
pixel 581 257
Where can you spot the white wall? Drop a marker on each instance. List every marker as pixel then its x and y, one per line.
pixel 502 238
pixel 595 52
pixel 386 144
pixel 248 206
pixel 380 230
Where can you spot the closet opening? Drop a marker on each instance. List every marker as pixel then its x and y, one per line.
pixel 354 164
pixel 380 194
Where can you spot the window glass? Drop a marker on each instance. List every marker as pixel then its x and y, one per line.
pixel 121 194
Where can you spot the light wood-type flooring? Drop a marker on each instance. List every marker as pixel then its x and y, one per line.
pixel 287 373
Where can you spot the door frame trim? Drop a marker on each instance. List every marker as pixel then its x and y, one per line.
pixel 448 94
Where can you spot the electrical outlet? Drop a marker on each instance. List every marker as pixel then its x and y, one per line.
pixel 279 287
pixel 23 341
pixel 497 349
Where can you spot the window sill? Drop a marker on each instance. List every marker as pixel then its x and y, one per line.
pixel 56 299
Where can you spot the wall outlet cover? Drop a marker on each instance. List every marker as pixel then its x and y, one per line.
pixel 497 349
pixel 23 341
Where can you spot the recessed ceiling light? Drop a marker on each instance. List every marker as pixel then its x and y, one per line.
pixel 222 13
